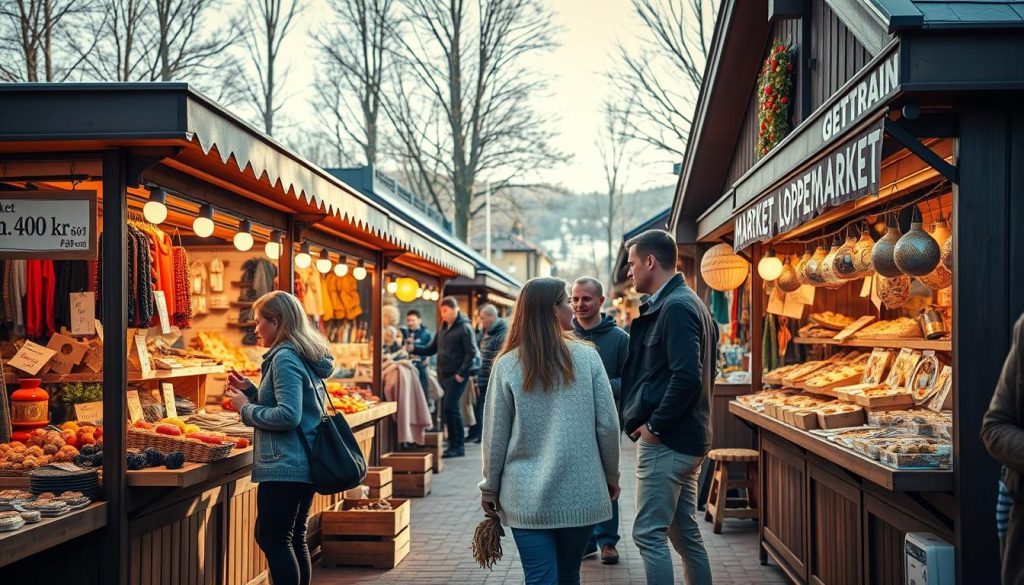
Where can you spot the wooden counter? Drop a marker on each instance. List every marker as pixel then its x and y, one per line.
pixel 50 532
pixel 372 414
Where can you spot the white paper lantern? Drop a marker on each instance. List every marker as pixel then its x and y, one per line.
pixel 723 269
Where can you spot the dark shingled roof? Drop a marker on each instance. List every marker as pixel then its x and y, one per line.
pixel 936 14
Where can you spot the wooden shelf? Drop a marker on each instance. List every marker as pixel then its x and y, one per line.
pixel 192 473
pixel 907 480
pixel 49 532
pixel 372 414
pixel 910 342
pixel 89 377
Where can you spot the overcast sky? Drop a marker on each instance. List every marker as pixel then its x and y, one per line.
pixel 589 32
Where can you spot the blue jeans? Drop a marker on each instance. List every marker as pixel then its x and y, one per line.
pixel 552 556
pixel 607 532
pixel 666 506
pixel 453 391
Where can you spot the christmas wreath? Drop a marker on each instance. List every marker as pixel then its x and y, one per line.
pixel 774 87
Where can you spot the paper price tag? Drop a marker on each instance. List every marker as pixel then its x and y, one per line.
pixel 161 309
pixel 99 329
pixel 168 391
pixel 89 412
pixel 83 313
pixel 143 353
pixel 31 358
pixel 134 406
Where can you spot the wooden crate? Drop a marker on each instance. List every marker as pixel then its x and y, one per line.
pixel 378 538
pixel 377 476
pixel 381 553
pixel 342 520
pixel 381 493
pixel 408 462
pixel 433 439
pixel 412 485
pixel 436 451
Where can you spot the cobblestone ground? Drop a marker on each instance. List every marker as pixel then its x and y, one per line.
pixel 443 524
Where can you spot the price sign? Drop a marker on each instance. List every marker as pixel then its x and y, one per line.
pixel 50 224
pixel 31 358
pixel 143 352
pixel 83 313
pixel 168 392
pixel 91 412
pixel 134 406
pixel 161 309
pixel 99 329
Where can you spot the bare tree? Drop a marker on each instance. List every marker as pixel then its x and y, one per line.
pixel 115 42
pixel 268 24
pixel 357 50
pixel 187 46
pixel 29 38
pixel 617 149
pixel 468 113
pixel 665 74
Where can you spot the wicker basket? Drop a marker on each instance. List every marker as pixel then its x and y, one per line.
pixel 193 450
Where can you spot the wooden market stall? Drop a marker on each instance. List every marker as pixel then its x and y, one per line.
pixel 900 115
pixel 163 160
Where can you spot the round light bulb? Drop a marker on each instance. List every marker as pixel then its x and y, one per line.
pixel 770 267
pixel 243 239
pixel 323 263
pixel 155 210
pixel 392 287
pixel 273 250
pixel 359 272
pixel 303 260
pixel 420 292
pixel 203 224
pixel 341 269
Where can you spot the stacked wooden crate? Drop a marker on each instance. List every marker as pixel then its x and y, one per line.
pixel 411 473
pixel 433 443
pixel 368 538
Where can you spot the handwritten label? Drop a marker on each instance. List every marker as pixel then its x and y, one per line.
pixel 143 353
pixel 89 412
pixel 83 313
pixel 69 353
pixel 168 392
pixel 161 309
pixel 134 406
pixel 31 358
pixel 50 222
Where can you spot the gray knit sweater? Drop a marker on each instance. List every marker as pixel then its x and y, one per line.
pixel 548 457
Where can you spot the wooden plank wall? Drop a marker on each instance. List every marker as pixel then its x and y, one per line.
pixel 837 54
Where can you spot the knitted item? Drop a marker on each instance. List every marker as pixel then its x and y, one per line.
pixel 182 289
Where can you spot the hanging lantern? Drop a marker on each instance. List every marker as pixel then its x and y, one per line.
pixel 304 258
pixel 801 268
pixel 814 266
pixel 155 210
pixel 862 254
pixel 341 268
pixel 770 267
pixel 894 291
pixel 243 238
pixel 274 247
pixel 405 289
pixel 392 287
pixel 881 253
pixel 827 269
pixel 941 277
pixel 203 224
pixel 323 263
pixel 787 281
pixel 842 265
pixel 916 253
pixel 723 269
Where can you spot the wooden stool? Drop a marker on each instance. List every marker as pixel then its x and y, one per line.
pixel 719 506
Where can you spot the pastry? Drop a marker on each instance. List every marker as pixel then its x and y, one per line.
pixel 31 516
pixel 830 320
pixel 897 328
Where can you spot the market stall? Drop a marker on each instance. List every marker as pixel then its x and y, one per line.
pixel 874 199
pixel 195 215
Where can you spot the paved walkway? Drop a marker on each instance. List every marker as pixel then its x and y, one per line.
pixel 443 524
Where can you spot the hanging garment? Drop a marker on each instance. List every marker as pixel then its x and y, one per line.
pixel 734 314
pixel 163 267
pixel 131 268
pixel 200 282
pixel 300 289
pixel 15 288
pixel 216 276
pixel 401 382
pixel 145 277
pixel 770 344
pixel 71 276
pixel 326 296
pixel 719 307
pixel 182 315
pixel 312 300
pixel 39 298
pixel 349 298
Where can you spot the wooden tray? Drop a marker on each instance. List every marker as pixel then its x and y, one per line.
pixel 829 389
pixel 841 420
pixel 891 401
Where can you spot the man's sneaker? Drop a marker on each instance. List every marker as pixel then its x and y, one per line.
pixel 449 454
pixel 591 551
pixel 609 556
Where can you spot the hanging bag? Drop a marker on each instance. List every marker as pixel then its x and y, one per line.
pixel 336 463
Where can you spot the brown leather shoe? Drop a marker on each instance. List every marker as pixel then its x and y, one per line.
pixel 609 556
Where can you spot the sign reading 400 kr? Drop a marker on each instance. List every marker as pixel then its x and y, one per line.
pixel 48 224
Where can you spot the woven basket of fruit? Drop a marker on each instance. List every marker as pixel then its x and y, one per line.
pixel 199 447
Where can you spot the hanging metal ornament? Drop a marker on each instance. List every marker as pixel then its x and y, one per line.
pixel 894 291
pixel 787 281
pixel 828 272
pixel 862 254
pixel 801 268
pixel 941 277
pixel 947 254
pixel 881 253
pixel 814 267
pixel 842 265
pixel 916 253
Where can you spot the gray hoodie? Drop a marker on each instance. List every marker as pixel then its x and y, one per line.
pixel 612 344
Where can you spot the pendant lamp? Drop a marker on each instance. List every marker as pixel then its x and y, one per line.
pixel 723 269
pixel 881 253
pixel 916 253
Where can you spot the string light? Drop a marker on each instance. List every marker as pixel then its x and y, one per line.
pixel 770 267
pixel 359 272
pixel 303 259
pixel 392 287
pixel 341 268
pixel 243 239
pixel 155 210
pixel 274 247
pixel 323 263
pixel 203 224
pixel 420 292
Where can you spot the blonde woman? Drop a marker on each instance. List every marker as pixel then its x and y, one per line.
pixel 550 438
pixel 282 406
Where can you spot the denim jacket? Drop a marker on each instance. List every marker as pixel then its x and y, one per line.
pixel 285 400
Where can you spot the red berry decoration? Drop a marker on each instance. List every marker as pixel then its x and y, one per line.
pixel 775 85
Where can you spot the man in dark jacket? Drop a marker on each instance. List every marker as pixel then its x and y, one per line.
pixel 492 337
pixel 612 345
pixel 1002 430
pixel 420 337
pixel 455 346
pixel 666 404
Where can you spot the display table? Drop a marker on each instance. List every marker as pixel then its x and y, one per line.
pixel 49 532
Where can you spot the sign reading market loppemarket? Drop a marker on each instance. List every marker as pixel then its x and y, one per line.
pixel 848 172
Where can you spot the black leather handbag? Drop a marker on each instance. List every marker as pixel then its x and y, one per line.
pixel 336 463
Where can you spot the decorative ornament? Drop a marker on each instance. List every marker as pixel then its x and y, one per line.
pixel 723 269
pixel 406 290
pixel 828 273
pixel 881 254
pixel 941 277
pixel 916 253
pixel 814 267
pixel 769 267
pixel 947 254
pixel 774 93
pixel 801 268
pixel 788 281
pixel 842 265
pixel 862 254
pixel 894 291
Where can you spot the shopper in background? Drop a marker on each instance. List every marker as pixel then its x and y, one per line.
pixel 284 405
pixel 455 347
pixel 1002 430
pixel 612 345
pixel 666 397
pixel 492 336
pixel 420 337
pixel 551 437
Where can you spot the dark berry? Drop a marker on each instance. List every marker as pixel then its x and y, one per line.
pixel 153 457
pixel 174 460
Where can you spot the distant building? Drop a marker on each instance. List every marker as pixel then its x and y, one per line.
pixel 516 255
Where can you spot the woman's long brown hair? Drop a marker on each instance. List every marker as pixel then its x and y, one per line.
pixel 543 346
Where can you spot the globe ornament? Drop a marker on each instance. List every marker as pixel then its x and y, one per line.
pixel 828 273
pixel 947 254
pixel 801 269
pixel 788 281
pixel 862 255
pixel 894 291
pixel 842 264
pixel 941 277
pixel 723 269
pixel 916 253
pixel 881 253
pixel 814 267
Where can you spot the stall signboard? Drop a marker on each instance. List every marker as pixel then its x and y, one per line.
pixel 48 224
pixel 848 172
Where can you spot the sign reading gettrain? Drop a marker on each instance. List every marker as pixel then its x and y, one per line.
pixel 48 225
pixel 847 172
